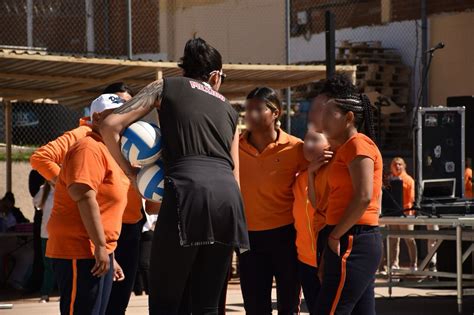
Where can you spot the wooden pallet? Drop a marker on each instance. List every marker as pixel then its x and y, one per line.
pixel 378 85
pixel 394 69
pixel 382 76
pixel 368 61
pixel 362 45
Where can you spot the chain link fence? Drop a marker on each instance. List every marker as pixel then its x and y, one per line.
pixel 380 41
pixel 382 38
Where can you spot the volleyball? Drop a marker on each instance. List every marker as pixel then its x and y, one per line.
pixel 150 182
pixel 141 143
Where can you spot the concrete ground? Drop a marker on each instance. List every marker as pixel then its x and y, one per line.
pixel 404 302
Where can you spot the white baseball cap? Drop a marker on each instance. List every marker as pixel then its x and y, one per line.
pixel 104 102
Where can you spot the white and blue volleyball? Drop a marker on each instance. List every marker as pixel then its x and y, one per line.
pixel 141 143
pixel 150 182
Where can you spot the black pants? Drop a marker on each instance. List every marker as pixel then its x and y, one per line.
pixel 272 254
pixel 185 279
pixel 82 293
pixel 322 242
pixel 310 284
pixel 143 272
pixel 348 282
pixel 126 254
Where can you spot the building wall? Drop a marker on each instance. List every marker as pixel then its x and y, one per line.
pixel 243 30
pixel 356 13
pixel 348 13
pixel 453 67
pixel 410 9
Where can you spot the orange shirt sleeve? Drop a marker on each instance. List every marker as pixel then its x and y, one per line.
pixel 357 147
pixel 468 175
pixel 47 159
pixel 411 192
pixel 85 167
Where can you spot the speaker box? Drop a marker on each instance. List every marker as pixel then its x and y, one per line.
pixel 468 103
pixel 392 199
pixel 440 146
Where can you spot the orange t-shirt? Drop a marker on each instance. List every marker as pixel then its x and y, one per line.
pixel 133 211
pixel 88 162
pixel 266 181
pixel 408 192
pixel 468 182
pixel 321 187
pixel 340 183
pixel 47 159
pixel 303 214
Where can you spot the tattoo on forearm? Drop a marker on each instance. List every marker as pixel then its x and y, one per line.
pixel 145 98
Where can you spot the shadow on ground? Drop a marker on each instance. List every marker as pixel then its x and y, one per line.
pixel 415 305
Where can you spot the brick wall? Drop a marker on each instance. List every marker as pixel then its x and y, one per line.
pixel 410 9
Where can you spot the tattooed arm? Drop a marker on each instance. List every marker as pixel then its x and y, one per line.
pixel 113 125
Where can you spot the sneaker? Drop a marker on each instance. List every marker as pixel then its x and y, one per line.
pixel 44 299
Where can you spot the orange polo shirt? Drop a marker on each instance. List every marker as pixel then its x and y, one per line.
pixel 47 160
pixel 321 188
pixel 133 210
pixel 303 214
pixel 408 192
pixel 88 162
pixel 267 179
pixel 340 184
pixel 468 182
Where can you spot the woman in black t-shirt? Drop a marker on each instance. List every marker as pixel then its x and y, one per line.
pixel 201 219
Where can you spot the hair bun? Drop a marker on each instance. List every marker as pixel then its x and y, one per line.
pixel 200 59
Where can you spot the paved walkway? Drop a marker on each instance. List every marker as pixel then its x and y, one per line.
pixel 404 302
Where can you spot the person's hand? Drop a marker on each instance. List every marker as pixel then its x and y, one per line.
pixel 118 272
pixel 334 245
pixel 319 161
pixel 53 181
pixel 152 207
pixel 102 262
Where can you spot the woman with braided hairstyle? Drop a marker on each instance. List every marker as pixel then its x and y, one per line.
pixel 354 245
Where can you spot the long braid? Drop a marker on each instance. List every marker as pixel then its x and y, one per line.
pixel 368 117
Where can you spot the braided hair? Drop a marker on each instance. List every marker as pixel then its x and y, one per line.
pixel 344 93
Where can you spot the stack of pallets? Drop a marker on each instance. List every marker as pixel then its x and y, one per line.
pixel 378 69
pixel 381 70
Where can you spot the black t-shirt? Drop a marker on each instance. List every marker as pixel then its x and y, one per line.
pixel 198 126
pixel 195 121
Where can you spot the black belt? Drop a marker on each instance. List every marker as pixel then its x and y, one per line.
pixel 361 229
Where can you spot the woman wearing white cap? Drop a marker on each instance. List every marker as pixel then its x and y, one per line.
pixel 86 218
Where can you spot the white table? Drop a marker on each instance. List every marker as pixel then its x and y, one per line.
pixel 463 232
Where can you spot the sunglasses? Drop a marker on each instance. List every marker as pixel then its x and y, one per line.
pixel 221 73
